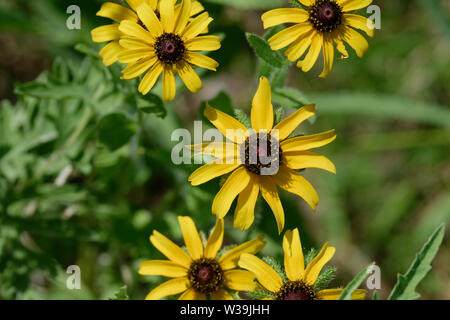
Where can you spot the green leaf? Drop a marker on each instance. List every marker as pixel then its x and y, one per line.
pixel 242 117
pixel 121 294
pixel 279 112
pixel 262 49
pixel 290 97
pixel 406 284
pixel 151 103
pixel 249 4
pixel 115 130
pixel 376 295
pixel 355 283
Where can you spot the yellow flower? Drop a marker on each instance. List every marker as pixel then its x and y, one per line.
pixel 248 177
pixel 110 33
pixel 300 281
pixel 323 24
pixel 199 274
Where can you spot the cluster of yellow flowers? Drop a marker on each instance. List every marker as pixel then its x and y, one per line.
pixel 155 37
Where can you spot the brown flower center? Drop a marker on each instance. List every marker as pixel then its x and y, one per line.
pixel 325 15
pixel 296 290
pixel 170 48
pixel 205 275
pixel 261 154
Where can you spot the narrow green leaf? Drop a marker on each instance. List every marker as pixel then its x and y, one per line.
pixel 376 295
pixel 242 117
pixel 406 284
pixel 262 49
pixel 290 97
pixel 355 283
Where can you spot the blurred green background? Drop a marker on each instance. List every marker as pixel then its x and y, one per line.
pixel 68 197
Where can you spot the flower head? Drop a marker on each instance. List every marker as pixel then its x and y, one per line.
pixel 110 33
pixel 261 159
pixel 300 281
pixel 199 273
pixel 323 24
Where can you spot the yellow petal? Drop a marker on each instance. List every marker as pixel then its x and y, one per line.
pixel 221 294
pixel 328 55
pixel 134 4
pixel 356 41
pixel 191 238
pixel 307 3
pixel 192 294
pixel 288 35
pixel 210 171
pixel 150 20
pixel 298 48
pixel 196 26
pixel 307 159
pixel 293 182
pixel 170 249
pixel 239 280
pixel 351 5
pixel 313 53
pixel 226 124
pixel 293 255
pixel 244 213
pixel 162 268
pixel 203 43
pixel 234 184
pixel 223 150
pixel 289 124
pixel 135 43
pixel 201 60
pixel 230 259
pixel 316 265
pixel 169 88
pixel 333 294
pixel 150 78
pixel 167 10
pixel 183 16
pixel 196 7
pixel 106 33
pixel 341 48
pixel 168 288
pixel 137 68
pixel 132 29
pixel 110 53
pixel 116 12
pixel 359 22
pixel 270 194
pixel 189 77
pixel 262 109
pixel 304 143
pixel 284 15
pixel 133 55
pixel 266 276
pixel 215 240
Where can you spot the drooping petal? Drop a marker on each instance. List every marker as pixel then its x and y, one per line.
pixel 359 22
pixel 106 33
pixel 244 213
pixel 262 109
pixel 266 276
pixel 328 56
pixel 221 294
pixel 203 43
pixel 170 249
pixel 239 280
pixel 189 77
pixel 293 255
pixel 116 12
pixel 137 68
pixel 210 171
pixel 226 124
pixel 307 159
pixel 313 53
pixel 289 124
pixel 316 265
pixel 150 20
pixel 110 53
pixel 215 240
pixel 284 15
pixel 162 268
pixel 150 78
pixel 270 194
pixel 288 35
pixel 192 294
pixel 230 259
pixel 168 288
pixel 234 185
pixel 201 60
pixel 293 182
pixel 191 237
pixel 352 5
pixel 341 48
pixel 196 26
pixel 304 143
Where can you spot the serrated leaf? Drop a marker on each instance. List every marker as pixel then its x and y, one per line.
pixel 242 117
pixel 406 284
pixel 262 50
pixel 355 283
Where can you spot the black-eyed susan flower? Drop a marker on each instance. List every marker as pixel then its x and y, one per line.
pixel 168 45
pixel 199 273
pixel 110 33
pixel 261 159
pixel 323 24
pixel 300 279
